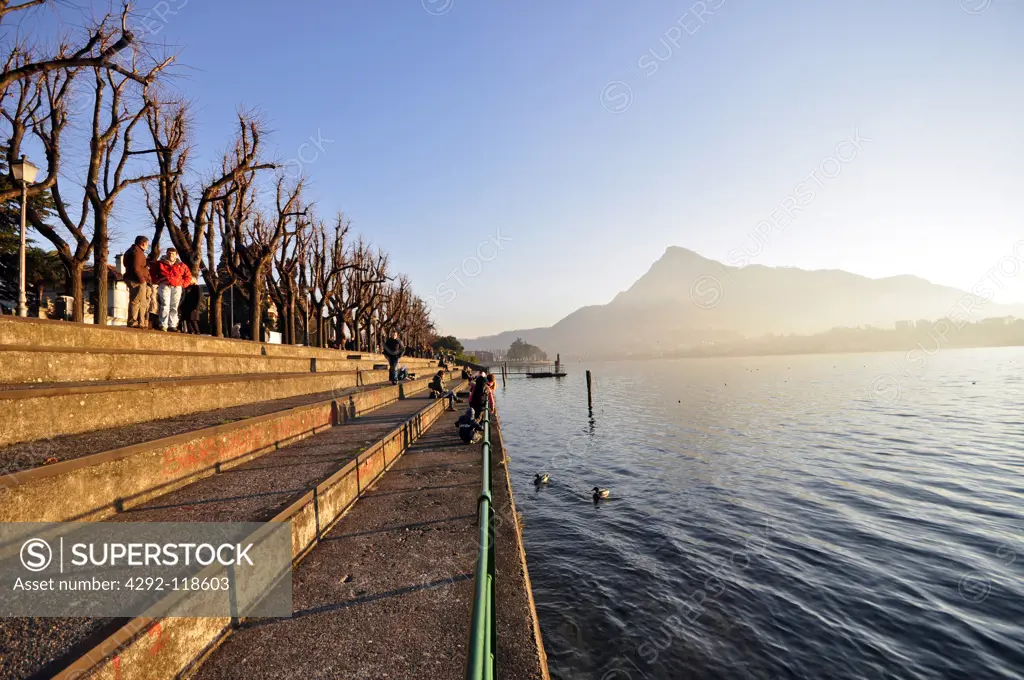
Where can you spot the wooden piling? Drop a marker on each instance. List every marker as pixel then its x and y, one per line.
pixel 590 392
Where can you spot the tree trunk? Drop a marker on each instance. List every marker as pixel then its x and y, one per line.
pixel 290 321
pixel 100 271
pixel 77 291
pixel 216 313
pixel 255 304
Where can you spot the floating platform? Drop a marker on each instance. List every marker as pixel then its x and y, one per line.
pixel 547 374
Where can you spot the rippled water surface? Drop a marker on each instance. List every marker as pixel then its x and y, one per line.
pixel 833 516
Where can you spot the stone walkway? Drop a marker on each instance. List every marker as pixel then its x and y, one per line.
pixel 388 593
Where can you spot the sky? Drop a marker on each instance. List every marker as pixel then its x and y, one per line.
pixel 521 160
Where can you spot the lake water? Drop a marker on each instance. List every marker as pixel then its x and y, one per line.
pixel 832 516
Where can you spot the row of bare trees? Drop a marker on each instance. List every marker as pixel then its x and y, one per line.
pixel 104 102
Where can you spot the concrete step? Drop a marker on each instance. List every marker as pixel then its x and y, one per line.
pixel 43 411
pixel 47 333
pixel 26 364
pixel 91 485
pixel 310 482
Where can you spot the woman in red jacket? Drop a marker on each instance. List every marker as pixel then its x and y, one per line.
pixel 170 275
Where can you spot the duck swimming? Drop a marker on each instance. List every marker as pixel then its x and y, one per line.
pixel 539 479
pixel 601 493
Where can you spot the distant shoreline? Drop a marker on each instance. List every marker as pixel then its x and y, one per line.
pixel 872 350
pixel 743 355
pixel 922 340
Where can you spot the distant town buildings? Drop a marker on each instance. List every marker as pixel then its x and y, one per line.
pixel 488 356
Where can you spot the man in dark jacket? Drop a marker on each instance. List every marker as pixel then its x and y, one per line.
pixel 393 350
pixel 136 275
pixel 191 299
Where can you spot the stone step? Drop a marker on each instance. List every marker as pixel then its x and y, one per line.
pixel 99 485
pixel 310 483
pixel 28 364
pixel 48 333
pixel 44 411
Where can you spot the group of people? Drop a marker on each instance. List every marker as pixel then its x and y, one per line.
pixel 161 293
pixel 481 396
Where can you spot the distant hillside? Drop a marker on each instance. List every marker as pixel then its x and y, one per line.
pixel 685 299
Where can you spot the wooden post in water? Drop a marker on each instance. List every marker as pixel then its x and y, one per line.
pixel 558 362
pixel 503 367
pixel 590 392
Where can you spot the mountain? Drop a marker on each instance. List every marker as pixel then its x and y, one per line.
pixel 686 299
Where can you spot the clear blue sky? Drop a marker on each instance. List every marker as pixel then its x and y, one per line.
pixel 451 125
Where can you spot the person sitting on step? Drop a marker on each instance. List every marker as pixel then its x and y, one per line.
pixel 438 391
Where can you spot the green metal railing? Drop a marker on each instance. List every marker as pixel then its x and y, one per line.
pixel 482 631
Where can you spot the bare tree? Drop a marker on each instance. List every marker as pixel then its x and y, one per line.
pixel 217 224
pixel 284 288
pixel 219 270
pixel 233 214
pixel 187 220
pixel 255 241
pixel 101 47
pixel 328 264
pixel 111 147
pixel 187 213
pixel 48 124
pixel 369 271
pixel 169 128
pixel 41 102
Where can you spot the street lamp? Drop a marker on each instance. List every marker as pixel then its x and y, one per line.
pixel 25 173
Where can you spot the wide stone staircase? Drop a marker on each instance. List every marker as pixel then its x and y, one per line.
pixel 110 425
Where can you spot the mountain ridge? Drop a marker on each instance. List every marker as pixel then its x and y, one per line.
pixel 685 299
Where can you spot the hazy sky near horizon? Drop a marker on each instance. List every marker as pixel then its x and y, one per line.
pixel 592 135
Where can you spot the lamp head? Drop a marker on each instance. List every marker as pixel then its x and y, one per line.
pixel 24 171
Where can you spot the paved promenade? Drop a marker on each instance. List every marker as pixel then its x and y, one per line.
pixel 388 593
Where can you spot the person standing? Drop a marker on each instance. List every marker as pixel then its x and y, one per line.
pixel 191 299
pixel 170 275
pixel 393 350
pixel 136 275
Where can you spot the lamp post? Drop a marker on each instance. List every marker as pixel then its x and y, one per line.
pixel 25 173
